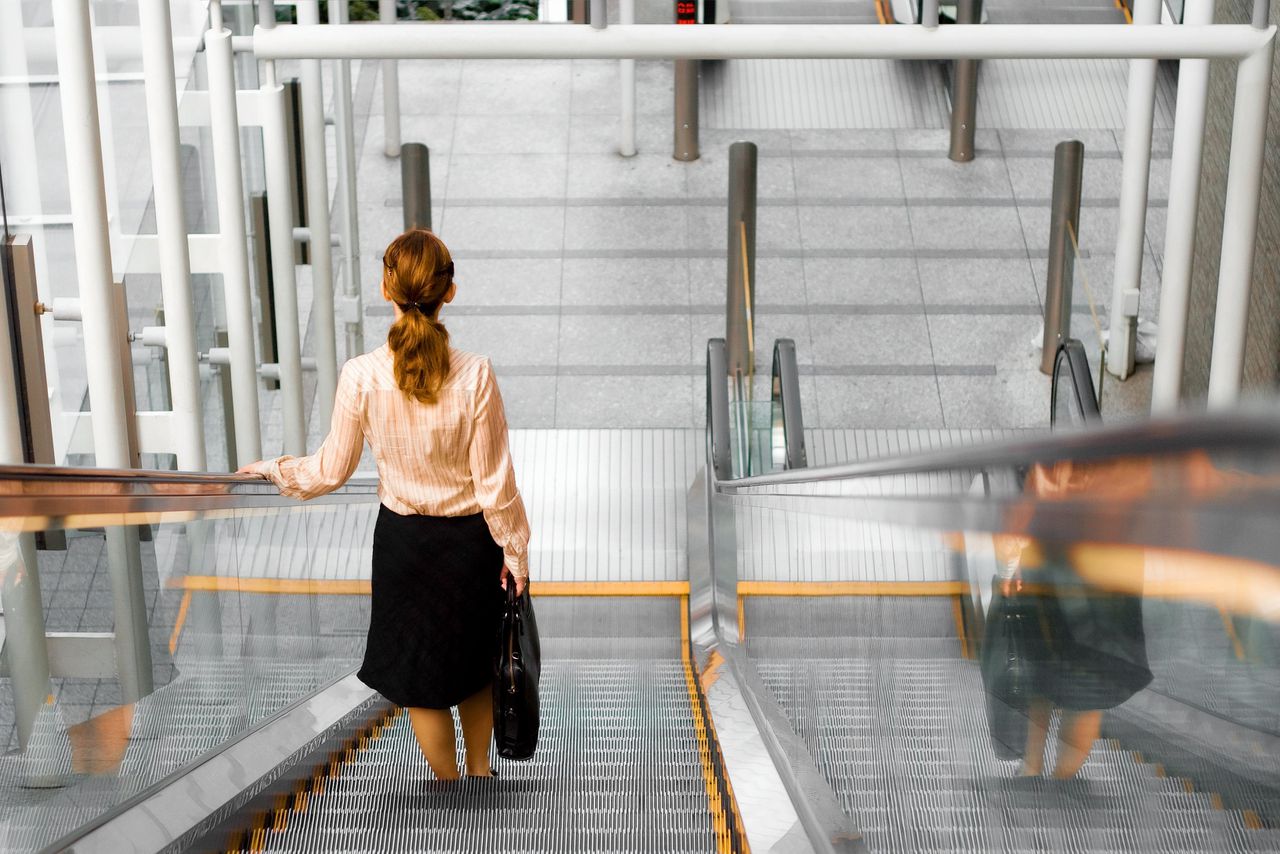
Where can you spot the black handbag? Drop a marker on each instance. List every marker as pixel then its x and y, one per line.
pixel 1006 670
pixel 515 683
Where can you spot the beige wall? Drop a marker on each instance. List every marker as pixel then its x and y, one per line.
pixel 1262 351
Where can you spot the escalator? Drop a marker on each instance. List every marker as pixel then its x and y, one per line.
pixel 745 649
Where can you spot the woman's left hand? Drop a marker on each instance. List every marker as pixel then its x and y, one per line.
pixel 255 469
pixel 508 577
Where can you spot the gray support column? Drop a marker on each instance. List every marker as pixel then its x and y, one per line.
pixel 1131 232
pixel 171 226
pixel 599 14
pixel 78 91
pixel 1064 214
pixel 964 90
pixel 415 185
pixel 741 242
pixel 686 110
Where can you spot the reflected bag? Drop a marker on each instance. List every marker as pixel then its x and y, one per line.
pixel 515 683
pixel 1006 670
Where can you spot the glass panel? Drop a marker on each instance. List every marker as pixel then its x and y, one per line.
pixel 753 420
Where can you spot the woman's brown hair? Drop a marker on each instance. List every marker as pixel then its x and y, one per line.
pixel 417 272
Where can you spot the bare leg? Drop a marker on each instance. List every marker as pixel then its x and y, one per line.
pixel 434 731
pixel 1038 717
pixel 476 713
pixel 1076 736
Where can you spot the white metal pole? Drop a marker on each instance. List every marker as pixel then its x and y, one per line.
pixel 627 80
pixel 760 41
pixel 224 124
pixel 277 160
pixel 1180 229
pixel 171 228
pixel 390 89
pixel 1134 179
pixel 345 136
pixel 86 180
pixel 1240 227
pixel 320 246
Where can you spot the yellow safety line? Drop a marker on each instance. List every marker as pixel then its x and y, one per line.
pixel 358 587
pixel 957 610
pixel 1128 17
pixel 179 622
pixel 746 290
pixel 1230 627
pixel 852 588
pixel 880 12
pixel 704 734
pixel 742 621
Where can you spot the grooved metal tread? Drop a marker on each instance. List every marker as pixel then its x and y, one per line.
pixel 617 768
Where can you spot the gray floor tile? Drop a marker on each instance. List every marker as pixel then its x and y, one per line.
pixel 594 340
pixel 852 141
pixel 1097 235
pixel 940 178
pixel 434 130
pixel 777 227
pixel 1032 178
pixel 982 339
pixel 778 281
pixel 858 281
pixel 606 176
pixel 871 227
pixel 939 140
pixel 848 178
pixel 1043 141
pixel 709 176
pixel 599 134
pixel 965 228
pixel 1011 398
pixel 870 340
pixel 483 229
pixel 768 141
pixel 427 87
pixel 497 87
pixel 596 88
pixel 977 281
pixel 512 134
pixel 624 401
pixel 530 402
pixel 514 281
pixel 877 401
pixel 770 327
pixel 642 227
pixel 507 176
pixel 626 281
pixel 508 341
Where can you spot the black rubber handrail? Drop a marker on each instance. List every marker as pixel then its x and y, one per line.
pixel 786 410
pixel 718 450
pixel 1074 363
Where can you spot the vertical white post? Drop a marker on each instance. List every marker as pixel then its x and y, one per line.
pixel 321 248
pixel 353 313
pixel 627 79
pixel 1240 226
pixel 277 160
pixel 224 123
pixel 390 89
pixel 1132 228
pixel 171 227
pixel 1180 230
pixel 86 180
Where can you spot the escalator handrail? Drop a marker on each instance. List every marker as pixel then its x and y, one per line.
pixel 1253 429
pixel 719 454
pixel 785 391
pixel 1071 354
pixel 43 490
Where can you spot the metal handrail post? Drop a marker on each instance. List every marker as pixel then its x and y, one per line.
pixel 320 246
pixel 741 266
pixel 1134 181
pixel 390 89
pixel 627 84
pixel 1240 226
pixel 224 126
pixel 345 136
pixel 1064 214
pixel 964 91
pixel 1180 226
pixel 85 177
pixel 686 110
pixel 171 227
pixel 415 185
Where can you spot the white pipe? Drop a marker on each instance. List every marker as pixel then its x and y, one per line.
pixel 1180 228
pixel 390 89
pixel 87 182
pixel 763 41
pixel 321 249
pixel 345 136
pixel 171 228
pixel 1240 227
pixel 277 160
pixel 224 125
pixel 627 80
pixel 1131 229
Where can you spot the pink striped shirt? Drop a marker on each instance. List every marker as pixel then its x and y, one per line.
pixel 450 458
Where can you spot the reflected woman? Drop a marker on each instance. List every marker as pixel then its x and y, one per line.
pixel 452 531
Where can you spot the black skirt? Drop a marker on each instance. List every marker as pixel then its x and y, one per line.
pixel 437 602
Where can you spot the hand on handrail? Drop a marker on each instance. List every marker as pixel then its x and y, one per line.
pixel 254 469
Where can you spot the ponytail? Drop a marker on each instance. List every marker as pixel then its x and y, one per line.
pixel 417 274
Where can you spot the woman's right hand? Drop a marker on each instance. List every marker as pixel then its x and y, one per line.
pixel 520 581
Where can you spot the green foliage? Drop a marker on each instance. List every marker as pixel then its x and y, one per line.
pixel 429 10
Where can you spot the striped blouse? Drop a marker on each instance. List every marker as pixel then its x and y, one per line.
pixel 450 458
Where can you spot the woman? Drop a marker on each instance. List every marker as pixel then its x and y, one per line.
pixel 452 530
